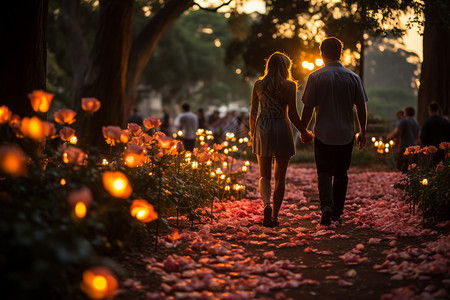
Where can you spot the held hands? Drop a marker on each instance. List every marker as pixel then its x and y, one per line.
pixel 361 140
pixel 307 136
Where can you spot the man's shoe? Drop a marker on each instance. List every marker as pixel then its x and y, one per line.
pixel 326 218
pixel 268 216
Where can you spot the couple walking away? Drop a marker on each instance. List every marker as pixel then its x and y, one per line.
pixel 331 92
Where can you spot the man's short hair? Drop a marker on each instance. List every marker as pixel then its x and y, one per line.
pixel 331 48
pixel 434 107
pixel 186 106
pixel 409 111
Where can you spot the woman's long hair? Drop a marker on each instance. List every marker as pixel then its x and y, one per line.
pixel 278 70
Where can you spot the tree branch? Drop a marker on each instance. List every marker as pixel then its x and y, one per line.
pixel 215 8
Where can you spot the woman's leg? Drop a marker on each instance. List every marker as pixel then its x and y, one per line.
pixel 265 169
pixel 281 164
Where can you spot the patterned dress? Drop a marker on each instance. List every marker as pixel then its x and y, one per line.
pixel 273 130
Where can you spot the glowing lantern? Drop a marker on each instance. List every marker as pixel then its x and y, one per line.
pixel 247 163
pixel 90 105
pixel 373 139
pixel 391 142
pixel 80 210
pixel 244 169
pixel 143 211
pixel 5 114
pixel 64 116
pixel 117 184
pixel 174 135
pixel 424 181
pixel 180 133
pixel 13 161
pixel 105 162
pixel 213 174
pixel 194 165
pixel 40 101
pixel 245 140
pixel 241 140
pixel 62 182
pixel 99 283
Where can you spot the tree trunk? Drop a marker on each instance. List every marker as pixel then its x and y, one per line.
pixel 435 74
pixel 23 54
pixel 79 53
pixel 106 74
pixel 144 45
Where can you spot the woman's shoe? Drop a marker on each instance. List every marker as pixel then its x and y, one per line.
pixel 267 216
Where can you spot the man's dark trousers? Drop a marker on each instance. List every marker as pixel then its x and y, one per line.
pixel 332 162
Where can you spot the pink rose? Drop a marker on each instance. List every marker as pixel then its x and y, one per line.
pixel 151 122
pixel 440 167
pixel 135 129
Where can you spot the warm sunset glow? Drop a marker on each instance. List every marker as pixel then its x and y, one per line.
pixel 80 210
pixel 40 100
pixel 99 283
pixel 117 184
pixel 143 211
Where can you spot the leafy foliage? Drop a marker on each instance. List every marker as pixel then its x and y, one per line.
pixel 426 183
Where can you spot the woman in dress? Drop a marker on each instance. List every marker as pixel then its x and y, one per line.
pixel 275 95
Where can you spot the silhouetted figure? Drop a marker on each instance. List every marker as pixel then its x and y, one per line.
pixel 275 96
pixel 333 91
pixel 201 118
pixel 187 122
pixel 135 118
pixel 408 132
pixel 435 130
pixel 165 122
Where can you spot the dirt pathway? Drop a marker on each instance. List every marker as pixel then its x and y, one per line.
pixel 380 250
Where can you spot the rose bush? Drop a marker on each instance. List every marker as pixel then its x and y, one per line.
pixel 63 212
pixel 426 183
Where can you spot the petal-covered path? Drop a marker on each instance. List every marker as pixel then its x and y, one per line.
pixel 379 251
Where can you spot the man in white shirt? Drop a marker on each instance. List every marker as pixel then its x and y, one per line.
pixel 333 91
pixel 187 122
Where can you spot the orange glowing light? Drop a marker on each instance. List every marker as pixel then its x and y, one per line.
pixel 73 140
pixel 99 283
pixel 90 105
pixel 143 211
pixel 319 62
pixel 13 161
pixel 33 128
pixel 40 100
pixel 117 184
pixel 5 114
pixel 424 181
pixel 80 209
pixel 62 181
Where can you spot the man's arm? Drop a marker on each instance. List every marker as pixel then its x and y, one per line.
pixel 307 115
pixel 361 112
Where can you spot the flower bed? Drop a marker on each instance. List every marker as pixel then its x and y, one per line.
pixel 426 183
pixel 64 209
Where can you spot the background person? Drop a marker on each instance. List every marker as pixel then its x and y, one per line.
pixel 187 122
pixel 408 132
pixel 275 94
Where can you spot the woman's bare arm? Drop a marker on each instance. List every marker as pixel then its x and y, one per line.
pixel 254 109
